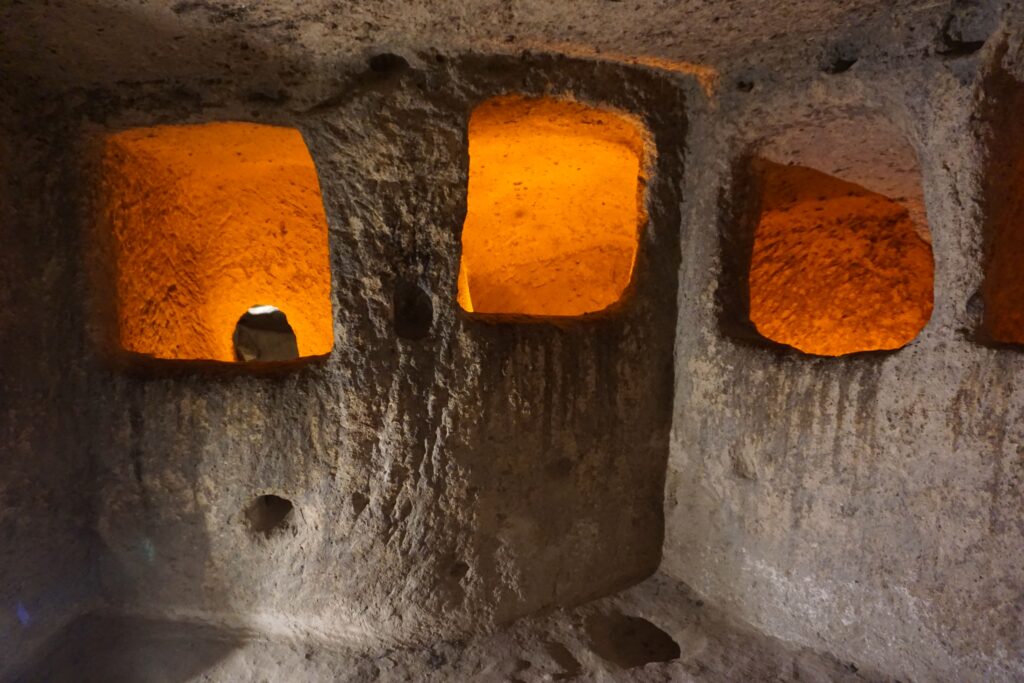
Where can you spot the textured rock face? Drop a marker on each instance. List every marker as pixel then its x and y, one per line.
pixel 47 545
pixel 447 474
pixel 440 484
pixel 835 269
pixel 866 505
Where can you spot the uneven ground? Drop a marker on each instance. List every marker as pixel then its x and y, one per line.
pixel 611 639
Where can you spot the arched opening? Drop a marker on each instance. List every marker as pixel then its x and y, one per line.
pixel 263 334
pixel 205 220
pixel 554 208
pixel 836 268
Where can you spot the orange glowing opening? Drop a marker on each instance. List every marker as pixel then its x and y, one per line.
pixel 555 204
pixel 207 221
pixel 836 269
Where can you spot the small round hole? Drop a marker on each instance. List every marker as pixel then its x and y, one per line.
pixel 263 334
pixel 269 513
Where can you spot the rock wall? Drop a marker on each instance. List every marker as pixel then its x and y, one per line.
pixel 448 474
pixel 868 505
pixel 48 398
pixel 441 483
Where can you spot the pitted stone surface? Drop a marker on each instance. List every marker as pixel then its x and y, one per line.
pixel 443 486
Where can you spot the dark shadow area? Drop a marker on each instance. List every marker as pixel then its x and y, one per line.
pixel 630 642
pixel 967 27
pixel 839 59
pixel 413 311
pixel 101 649
pixel 739 205
pixel 569 665
pixel 268 514
pixel 387 63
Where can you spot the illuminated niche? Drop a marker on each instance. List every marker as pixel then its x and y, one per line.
pixel 836 268
pixel 207 221
pixel 554 208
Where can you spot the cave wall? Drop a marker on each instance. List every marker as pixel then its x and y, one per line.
pixel 870 504
pixel 867 506
pixel 442 485
pixel 48 396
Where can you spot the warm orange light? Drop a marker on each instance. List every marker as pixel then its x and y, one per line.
pixel 555 202
pixel 1003 289
pixel 836 268
pixel 209 220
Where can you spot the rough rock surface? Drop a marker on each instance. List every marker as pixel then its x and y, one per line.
pixel 835 269
pixel 445 483
pixel 567 644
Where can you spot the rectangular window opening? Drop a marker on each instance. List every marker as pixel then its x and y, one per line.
pixel 554 209
pixel 220 243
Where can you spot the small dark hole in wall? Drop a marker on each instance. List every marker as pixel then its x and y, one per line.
pixel 268 513
pixel 413 311
pixel 839 64
pixel 629 642
pixel 744 86
pixel 956 48
pixel 263 334
pixel 387 63
pixel 839 58
pixel 459 570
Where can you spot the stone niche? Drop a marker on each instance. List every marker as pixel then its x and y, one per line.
pixel 556 201
pixel 441 471
pixel 832 254
pixel 210 225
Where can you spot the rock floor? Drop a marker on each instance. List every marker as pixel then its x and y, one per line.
pixel 655 631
